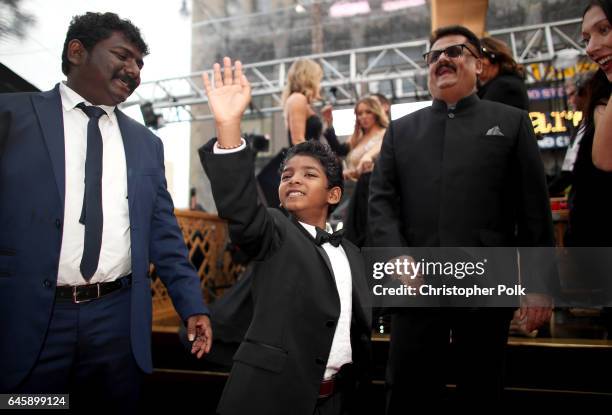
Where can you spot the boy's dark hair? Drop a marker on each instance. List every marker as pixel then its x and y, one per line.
pixel 457 30
pixel 90 28
pixel 324 154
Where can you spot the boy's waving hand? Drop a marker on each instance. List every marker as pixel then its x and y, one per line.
pixel 228 99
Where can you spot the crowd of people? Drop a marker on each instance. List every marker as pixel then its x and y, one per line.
pixel 75 295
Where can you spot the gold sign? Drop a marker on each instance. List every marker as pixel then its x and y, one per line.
pixel 554 122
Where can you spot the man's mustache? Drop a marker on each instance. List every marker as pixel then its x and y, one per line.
pixel 445 65
pixel 131 82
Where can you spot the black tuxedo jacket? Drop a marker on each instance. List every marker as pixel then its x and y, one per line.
pixel 279 366
pixel 467 177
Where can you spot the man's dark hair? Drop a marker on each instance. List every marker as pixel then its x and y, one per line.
pixel 324 154
pixel 457 30
pixel 90 28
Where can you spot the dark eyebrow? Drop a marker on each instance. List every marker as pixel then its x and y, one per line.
pixel 315 168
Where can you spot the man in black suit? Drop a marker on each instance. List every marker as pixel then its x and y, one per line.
pixel 463 173
pixel 307 345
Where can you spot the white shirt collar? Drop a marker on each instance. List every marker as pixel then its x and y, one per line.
pixel 70 99
pixel 312 230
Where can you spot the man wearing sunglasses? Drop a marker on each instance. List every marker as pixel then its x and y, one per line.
pixel 461 173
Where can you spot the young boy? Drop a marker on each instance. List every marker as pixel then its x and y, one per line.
pixel 308 343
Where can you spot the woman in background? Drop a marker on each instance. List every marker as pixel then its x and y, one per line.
pixel 361 151
pixel 302 89
pixel 590 199
pixel 597 35
pixel 502 79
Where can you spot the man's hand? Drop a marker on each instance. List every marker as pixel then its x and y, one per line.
pixel 227 100
pixel 409 279
pixel 200 333
pixel 536 309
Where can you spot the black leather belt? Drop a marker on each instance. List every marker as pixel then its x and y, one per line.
pixel 84 293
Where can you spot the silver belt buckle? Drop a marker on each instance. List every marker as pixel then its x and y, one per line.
pixel 75 298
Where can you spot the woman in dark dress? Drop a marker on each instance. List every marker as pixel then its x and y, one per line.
pixel 597 36
pixel 302 89
pixel 590 198
pixel 591 195
pixel 502 79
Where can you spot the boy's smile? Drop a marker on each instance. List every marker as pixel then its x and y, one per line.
pixel 304 190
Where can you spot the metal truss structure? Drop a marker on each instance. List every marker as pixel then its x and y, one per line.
pixel 399 68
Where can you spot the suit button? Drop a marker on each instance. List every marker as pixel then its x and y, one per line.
pixel 330 323
pixel 58 223
pixel 47 284
pixel 451 115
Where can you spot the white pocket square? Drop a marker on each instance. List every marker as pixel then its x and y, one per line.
pixel 495 131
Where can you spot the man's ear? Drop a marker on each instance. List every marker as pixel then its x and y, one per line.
pixel 76 52
pixel 334 195
pixel 478 66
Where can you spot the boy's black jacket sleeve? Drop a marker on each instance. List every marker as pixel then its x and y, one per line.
pixel 234 189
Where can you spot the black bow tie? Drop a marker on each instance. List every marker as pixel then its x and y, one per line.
pixel 333 238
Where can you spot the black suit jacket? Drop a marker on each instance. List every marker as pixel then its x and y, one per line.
pixel 279 366
pixel 468 177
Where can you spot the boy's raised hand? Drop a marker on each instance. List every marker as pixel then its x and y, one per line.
pixel 228 99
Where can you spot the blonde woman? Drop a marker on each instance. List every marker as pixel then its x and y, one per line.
pixel 302 89
pixel 370 125
pixel 361 150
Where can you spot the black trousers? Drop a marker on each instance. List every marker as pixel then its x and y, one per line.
pixel 87 354
pixel 422 359
pixel 334 405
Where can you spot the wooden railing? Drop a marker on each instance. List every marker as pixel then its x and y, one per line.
pixel 206 238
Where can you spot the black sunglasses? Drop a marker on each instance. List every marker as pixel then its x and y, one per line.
pixel 452 52
pixel 490 55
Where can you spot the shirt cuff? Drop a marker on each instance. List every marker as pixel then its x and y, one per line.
pixel 218 150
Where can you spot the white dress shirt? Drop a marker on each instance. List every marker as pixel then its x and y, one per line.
pixel 115 255
pixel 341 351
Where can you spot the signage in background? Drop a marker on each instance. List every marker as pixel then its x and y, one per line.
pixel 555 127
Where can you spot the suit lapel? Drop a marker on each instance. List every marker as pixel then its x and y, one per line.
pixel 319 249
pixel 129 135
pixel 358 281
pixel 323 255
pixel 48 108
